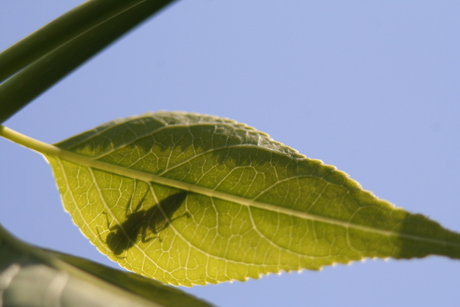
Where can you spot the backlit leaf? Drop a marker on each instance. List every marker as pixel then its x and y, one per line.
pixel 191 199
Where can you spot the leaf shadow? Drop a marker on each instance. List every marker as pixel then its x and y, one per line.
pixel 144 225
pixel 155 137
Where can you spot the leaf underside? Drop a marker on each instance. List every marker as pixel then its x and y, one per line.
pixel 31 276
pixel 192 199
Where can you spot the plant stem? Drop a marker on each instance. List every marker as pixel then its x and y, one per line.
pixel 28 142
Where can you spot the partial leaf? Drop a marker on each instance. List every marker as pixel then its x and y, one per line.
pixel 42 59
pixel 193 199
pixel 30 276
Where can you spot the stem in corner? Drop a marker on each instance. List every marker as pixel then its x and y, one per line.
pixel 31 66
pixel 28 142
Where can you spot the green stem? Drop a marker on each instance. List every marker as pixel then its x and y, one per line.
pixel 42 59
pixel 28 142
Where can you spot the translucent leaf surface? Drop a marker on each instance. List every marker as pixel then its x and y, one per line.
pixel 191 199
pixel 30 276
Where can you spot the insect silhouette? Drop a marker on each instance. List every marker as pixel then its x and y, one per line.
pixel 145 224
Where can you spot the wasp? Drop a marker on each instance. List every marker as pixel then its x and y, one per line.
pixel 146 224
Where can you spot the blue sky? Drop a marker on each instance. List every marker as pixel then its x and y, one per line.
pixel 370 87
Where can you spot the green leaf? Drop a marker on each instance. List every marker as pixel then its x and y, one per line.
pixel 192 199
pixel 40 60
pixel 30 276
